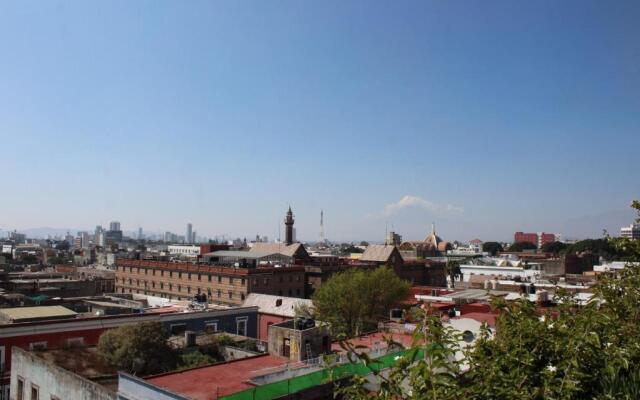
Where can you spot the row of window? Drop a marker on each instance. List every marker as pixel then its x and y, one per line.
pixel 35 391
pixel 209 276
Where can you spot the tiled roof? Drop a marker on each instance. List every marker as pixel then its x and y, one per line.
pixel 287 250
pixel 378 253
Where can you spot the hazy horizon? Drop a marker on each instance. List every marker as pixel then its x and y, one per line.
pixel 487 118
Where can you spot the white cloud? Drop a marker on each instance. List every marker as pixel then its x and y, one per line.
pixel 409 201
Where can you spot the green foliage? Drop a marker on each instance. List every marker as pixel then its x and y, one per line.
pixel 492 248
pixel 554 247
pixel 140 349
pixel 572 351
pixel 250 345
pixel 522 246
pixel 194 359
pixel 604 248
pixel 355 300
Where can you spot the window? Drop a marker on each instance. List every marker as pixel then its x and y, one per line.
pixel 161 272
pixel 20 394
pixel 242 296
pixel 230 294
pixel 130 269
pixel 146 271
pixel 241 326
pixel 290 293
pixel 297 278
pixel 153 284
pixel 170 274
pixel 298 292
pixel 242 281
pixel 129 281
pixel 219 279
pixel 199 277
pixel 38 346
pixel 209 292
pixel 255 282
pixel 179 288
pixel 138 270
pixel 179 275
pixel 219 293
pixel 170 286
pixel 209 277
pixel 35 392
pixel 211 326
pixel 266 281
pixel 230 280
pixel 178 329
pixel 188 289
pixel 189 276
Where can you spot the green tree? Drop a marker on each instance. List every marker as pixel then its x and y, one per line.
pixel 492 248
pixel 355 300
pixel 140 349
pixel 194 359
pixel 521 246
pixel 554 247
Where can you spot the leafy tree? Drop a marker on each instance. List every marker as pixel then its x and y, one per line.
pixel 364 243
pixel 140 349
pixel 492 248
pixel 572 351
pixel 194 359
pixel 453 269
pixel 604 248
pixel 521 246
pixel 554 247
pixel 355 300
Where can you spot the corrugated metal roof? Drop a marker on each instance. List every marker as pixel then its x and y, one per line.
pixel 241 254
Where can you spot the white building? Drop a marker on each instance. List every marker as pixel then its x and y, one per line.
pixel 184 250
pixel 632 231
pixel 503 268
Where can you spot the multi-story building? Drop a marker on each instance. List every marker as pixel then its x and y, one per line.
pixel 632 231
pixel 538 239
pixel 221 284
pixel 56 334
pixel 187 250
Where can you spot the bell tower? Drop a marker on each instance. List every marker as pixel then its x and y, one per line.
pixel 288 222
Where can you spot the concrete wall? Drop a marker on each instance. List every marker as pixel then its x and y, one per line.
pixel 51 380
pixel 235 353
pixel 132 388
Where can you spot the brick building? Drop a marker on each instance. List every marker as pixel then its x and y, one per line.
pixel 220 284
pixel 537 239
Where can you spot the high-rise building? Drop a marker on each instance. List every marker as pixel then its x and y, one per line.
pixel 632 231
pixel 140 237
pixel 114 226
pixel 288 222
pixel 538 239
pixel 189 234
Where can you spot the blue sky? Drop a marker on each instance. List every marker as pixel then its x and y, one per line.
pixel 486 117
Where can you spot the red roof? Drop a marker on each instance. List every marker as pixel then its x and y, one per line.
pixel 208 383
pixel 489 318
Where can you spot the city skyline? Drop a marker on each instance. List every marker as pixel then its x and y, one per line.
pixel 486 118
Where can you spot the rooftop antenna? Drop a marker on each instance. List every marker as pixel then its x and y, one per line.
pixel 322 239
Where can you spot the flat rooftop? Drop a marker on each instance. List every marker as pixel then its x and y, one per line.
pixel 36 313
pixel 211 382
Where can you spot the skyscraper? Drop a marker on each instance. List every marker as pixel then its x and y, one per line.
pixel 114 226
pixel 189 236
